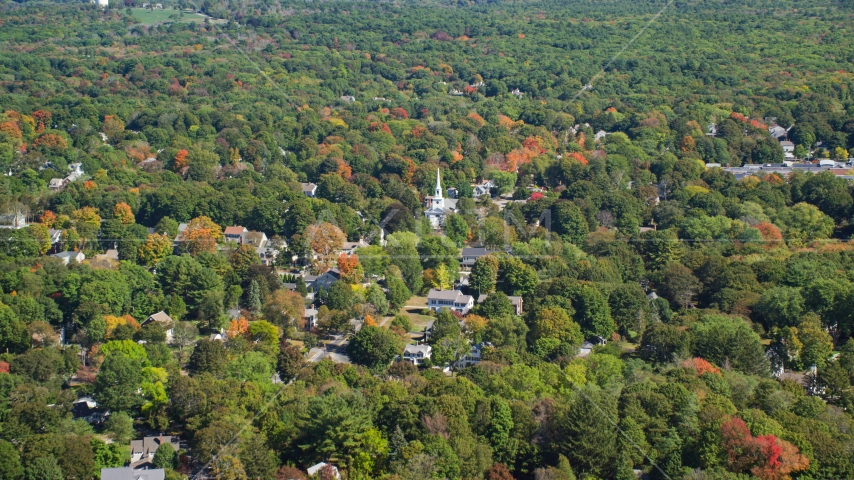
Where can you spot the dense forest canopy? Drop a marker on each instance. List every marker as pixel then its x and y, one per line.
pixel 639 310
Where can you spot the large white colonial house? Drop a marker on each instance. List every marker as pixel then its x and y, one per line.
pixel 452 299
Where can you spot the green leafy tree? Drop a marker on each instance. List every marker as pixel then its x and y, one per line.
pixel 120 427
pixel 10 462
pixel 374 347
pixel 165 457
pixel 484 274
pixel 118 381
pixel 209 356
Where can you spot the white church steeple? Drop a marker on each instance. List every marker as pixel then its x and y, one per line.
pixel 438 192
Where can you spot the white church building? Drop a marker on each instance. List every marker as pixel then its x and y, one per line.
pixel 437 207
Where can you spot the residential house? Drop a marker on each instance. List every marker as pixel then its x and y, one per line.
pixel 67 257
pixel 57 184
pixel 516 301
pixel 453 299
pixel 474 355
pixel 314 470
pixel 86 408
pixel 428 330
pixel 234 234
pixel 470 255
pixel 76 172
pixel 417 354
pixel 348 98
pixel 777 131
pixel 315 282
pixel 256 239
pixel 268 255
pixel 484 188
pixel 111 254
pixel 164 320
pixel 309 189
pixel 310 317
pixel 350 247
pixel 788 148
pixel 182 227
pixel 142 451
pixel 14 221
pixel 590 344
pixel 55 237
pixel 129 473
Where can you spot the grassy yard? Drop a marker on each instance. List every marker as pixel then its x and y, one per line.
pixel 151 17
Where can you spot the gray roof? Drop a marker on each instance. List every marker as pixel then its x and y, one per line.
pixel 128 473
pixel 149 445
pixel 447 295
pixel 425 349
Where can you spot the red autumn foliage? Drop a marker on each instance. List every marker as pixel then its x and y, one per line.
pixel 41 116
pixel 418 131
pixel 766 456
pixel 535 196
pixel 737 116
pixel 399 113
pixel 4 367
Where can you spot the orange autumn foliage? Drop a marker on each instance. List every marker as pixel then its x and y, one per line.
pixel 51 140
pixel 578 158
pixel 48 219
pixel 477 118
pixel 113 322
pixel 238 328
pixel 701 365
pixel 369 321
pixel 89 185
pixel 506 122
pixel 180 160
pixel 12 129
pixel 770 233
pixel 347 263
pixel 344 170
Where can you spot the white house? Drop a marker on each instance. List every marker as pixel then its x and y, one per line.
pixel 315 469
pixel 474 355
pixel 67 257
pixel 788 148
pixel 164 320
pixel 309 189
pixel 590 344
pixel 14 221
pixel 416 354
pixel 310 317
pixel 453 299
pixel 234 234
pixel 100 3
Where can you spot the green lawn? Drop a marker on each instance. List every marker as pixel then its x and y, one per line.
pixel 151 17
